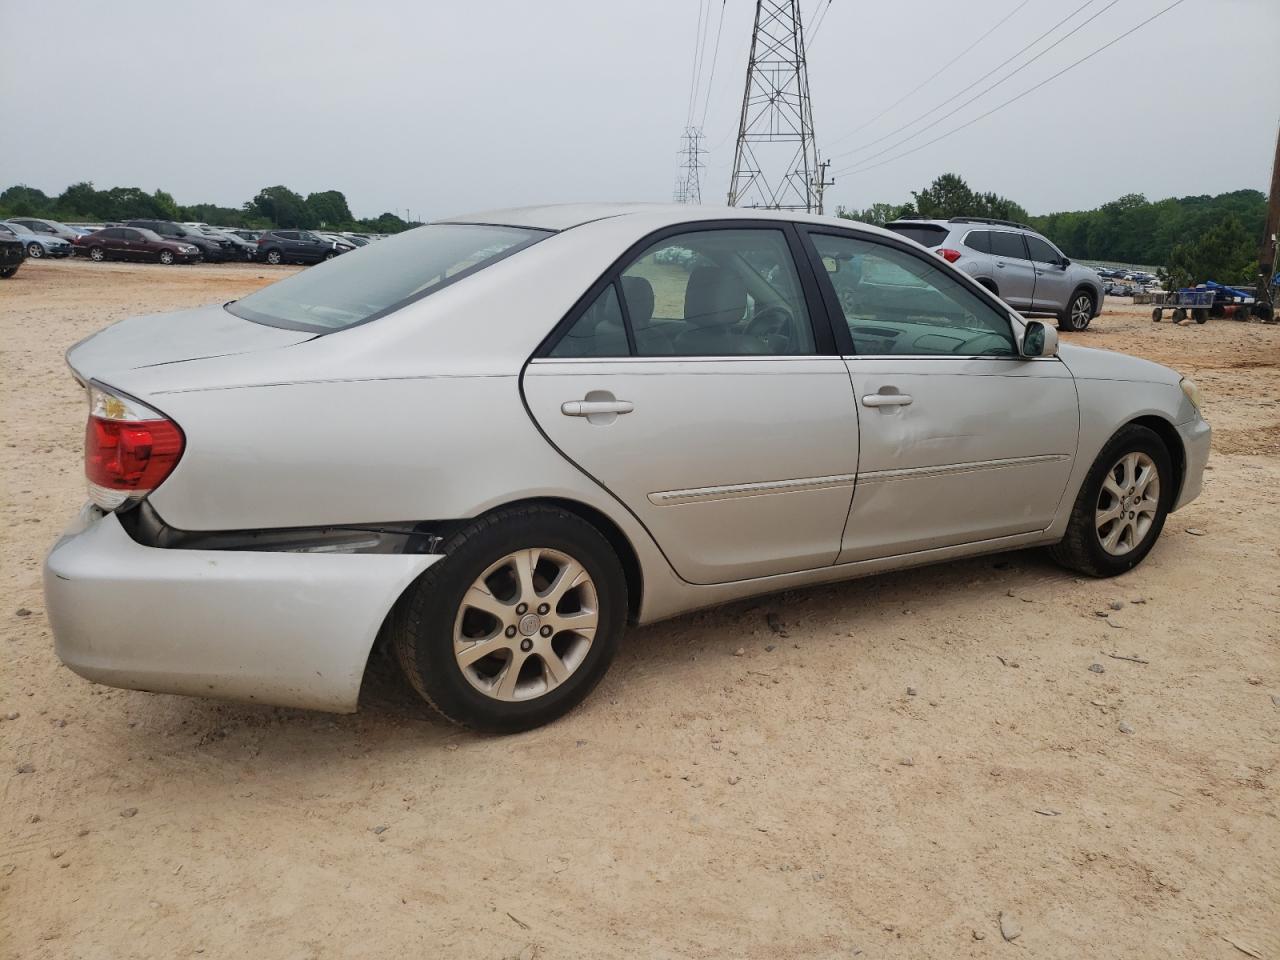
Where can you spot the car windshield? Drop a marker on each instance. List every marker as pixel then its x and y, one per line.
pixel 369 283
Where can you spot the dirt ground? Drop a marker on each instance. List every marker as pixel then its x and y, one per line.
pixel 890 766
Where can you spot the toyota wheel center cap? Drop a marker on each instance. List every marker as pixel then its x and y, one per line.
pixel 529 624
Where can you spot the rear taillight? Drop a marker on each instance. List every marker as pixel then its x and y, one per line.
pixel 129 448
pixel 949 255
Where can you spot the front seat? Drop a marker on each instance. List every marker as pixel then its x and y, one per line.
pixel 650 341
pixel 715 300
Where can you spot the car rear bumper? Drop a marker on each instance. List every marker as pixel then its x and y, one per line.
pixel 290 629
pixel 1197 436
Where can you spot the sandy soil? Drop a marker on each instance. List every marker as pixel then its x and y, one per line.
pixel 908 758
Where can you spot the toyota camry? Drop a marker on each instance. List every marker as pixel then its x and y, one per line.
pixel 492 442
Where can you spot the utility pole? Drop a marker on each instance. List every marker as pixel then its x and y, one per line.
pixel 689 183
pixel 1265 305
pixel 775 164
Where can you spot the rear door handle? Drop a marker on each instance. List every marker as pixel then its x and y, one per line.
pixel 886 400
pixel 592 408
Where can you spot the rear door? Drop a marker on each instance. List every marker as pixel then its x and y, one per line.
pixel 1014 275
pixel 962 439
pixel 693 383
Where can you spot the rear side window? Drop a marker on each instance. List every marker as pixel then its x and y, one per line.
pixel 979 240
pixel 376 280
pixel 926 234
pixel 1008 245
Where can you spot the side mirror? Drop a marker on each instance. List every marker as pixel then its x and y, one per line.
pixel 1064 262
pixel 1039 340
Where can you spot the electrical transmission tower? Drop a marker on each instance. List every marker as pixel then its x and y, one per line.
pixel 689 181
pixel 776 162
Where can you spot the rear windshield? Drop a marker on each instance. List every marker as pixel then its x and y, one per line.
pixel 375 280
pixel 923 233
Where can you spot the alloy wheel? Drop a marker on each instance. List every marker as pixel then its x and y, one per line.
pixel 526 624
pixel 1081 312
pixel 97 254
pixel 1128 503
pixel 35 251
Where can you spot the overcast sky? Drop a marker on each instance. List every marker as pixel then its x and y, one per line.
pixel 447 107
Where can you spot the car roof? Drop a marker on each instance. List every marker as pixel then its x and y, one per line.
pixel 565 216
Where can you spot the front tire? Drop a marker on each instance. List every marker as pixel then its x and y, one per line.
pixel 1079 312
pixel 1122 505
pixel 517 624
pixel 7 272
pixel 166 257
pixel 34 250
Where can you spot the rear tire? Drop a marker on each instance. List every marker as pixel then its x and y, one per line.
pixel 1179 314
pixel 97 254
pixel 1155 315
pixel 1201 316
pixel 1088 546
pixel 274 257
pixel 496 589
pixel 1079 312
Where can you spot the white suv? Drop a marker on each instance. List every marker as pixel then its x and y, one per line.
pixel 1015 263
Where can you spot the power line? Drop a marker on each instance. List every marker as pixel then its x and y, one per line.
pixel 934 76
pixel 856 168
pixel 694 78
pixel 714 57
pixel 964 90
pixel 983 92
pixel 817 23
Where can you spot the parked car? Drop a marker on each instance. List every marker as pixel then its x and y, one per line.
pixel 43 227
pixel 250 235
pixel 214 251
pixel 494 441
pixel 340 243
pixel 136 243
pixel 1015 263
pixel 1119 289
pixel 239 249
pixel 296 246
pixel 37 245
pixel 12 253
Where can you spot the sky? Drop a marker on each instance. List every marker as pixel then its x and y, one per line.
pixel 441 108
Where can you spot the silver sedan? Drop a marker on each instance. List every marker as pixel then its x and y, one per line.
pixel 491 442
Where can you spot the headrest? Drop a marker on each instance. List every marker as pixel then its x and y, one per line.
pixel 714 297
pixel 639 294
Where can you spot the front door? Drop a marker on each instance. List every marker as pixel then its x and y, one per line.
pixel 1014 276
pixel 1053 281
pixel 962 439
pixel 693 384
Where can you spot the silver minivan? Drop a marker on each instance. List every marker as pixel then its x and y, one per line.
pixel 1015 263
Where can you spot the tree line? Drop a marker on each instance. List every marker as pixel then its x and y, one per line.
pixel 1193 238
pixel 276 206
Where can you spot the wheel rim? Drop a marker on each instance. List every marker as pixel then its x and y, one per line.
pixel 95 253
pixel 166 257
pixel 273 257
pixel 1128 504
pixel 526 624
pixel 1080 311
pixel 35 251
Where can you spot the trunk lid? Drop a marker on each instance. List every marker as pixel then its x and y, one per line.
pixel 175 337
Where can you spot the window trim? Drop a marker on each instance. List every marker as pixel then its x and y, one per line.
pixel 824 341
pixel 835 314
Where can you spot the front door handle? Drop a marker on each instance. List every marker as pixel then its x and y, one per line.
pixel 886 400
pixel 593 408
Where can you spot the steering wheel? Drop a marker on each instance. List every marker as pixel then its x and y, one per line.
pixel 775 320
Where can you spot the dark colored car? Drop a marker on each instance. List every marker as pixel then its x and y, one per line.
pixel 211 250
pixel 250 235
pixel 12 254
pixel 240 249
pixel 297 246
pixel 136 243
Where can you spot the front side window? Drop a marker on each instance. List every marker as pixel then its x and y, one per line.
pixel 717 293
pixel 896 303
pixel 1042 252
pixel 384 277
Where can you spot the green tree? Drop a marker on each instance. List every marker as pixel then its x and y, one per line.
pixel 878 214
pixel 281 207
pixel 947 196
pixel 329 208
pixel 1225 253
pixel 24 201
pixel 165 206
